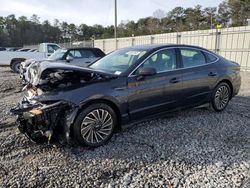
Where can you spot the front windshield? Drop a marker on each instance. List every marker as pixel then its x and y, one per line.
pixel 58 54
pixel 118 61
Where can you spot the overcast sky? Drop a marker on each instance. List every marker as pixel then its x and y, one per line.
pixel 93 12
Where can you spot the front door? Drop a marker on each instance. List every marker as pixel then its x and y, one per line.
pixel 157 93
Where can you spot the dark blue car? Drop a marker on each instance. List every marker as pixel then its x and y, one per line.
pixel 89 104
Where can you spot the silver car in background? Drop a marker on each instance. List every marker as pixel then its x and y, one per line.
pixel 73 56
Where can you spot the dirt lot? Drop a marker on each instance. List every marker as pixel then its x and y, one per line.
pixel 192 148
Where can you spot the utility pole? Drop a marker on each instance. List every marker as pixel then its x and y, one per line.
pixel 211 20
pixel 115 34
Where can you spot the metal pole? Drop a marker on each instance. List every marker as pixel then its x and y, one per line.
pixel 216 40
pixel 115 34
pixel 211 20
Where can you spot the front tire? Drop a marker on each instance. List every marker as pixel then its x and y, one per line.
pixel 95 125
pixel 220 97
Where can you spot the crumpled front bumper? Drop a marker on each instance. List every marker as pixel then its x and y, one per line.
pixel 38 121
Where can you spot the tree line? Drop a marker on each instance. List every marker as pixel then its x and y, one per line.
pixel 19 31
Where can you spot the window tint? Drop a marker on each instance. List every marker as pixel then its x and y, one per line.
pixel 164 60
pixel 99 53
pixel 87 54
pixel 210 58
pixel 192 58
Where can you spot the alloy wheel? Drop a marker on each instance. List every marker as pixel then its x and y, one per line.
pixel 97 126
pixel 222 96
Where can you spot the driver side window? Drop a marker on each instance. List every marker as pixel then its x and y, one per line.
pixel 164 60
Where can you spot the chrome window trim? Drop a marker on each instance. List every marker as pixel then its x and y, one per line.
pixel 194 48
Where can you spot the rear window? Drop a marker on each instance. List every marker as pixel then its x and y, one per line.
pixel 87 54
pixel 192 58
pixel 98 52
pixel 210 58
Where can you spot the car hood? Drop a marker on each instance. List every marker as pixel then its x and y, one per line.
pixel 41 72
pixel 28 62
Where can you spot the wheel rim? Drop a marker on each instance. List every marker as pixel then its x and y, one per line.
pixel 97 126
pixel 222 97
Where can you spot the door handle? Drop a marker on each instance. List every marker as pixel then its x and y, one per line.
pixel 174 80
pixel 212 74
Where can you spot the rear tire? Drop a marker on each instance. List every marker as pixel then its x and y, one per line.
pixel 220 97
pixel 95 125
pixel 15 66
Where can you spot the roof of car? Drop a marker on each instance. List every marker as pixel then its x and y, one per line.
pixel 156 46
pixel 85 48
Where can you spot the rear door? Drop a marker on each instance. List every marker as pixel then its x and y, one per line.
pixel 199 75
pixel 159 92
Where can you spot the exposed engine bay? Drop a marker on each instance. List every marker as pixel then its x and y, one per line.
pixel 55 76
pixel 54 79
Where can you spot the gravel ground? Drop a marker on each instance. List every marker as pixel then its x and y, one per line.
pixel 192 148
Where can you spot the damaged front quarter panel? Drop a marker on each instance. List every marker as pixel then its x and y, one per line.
pixel 40 121
pixel 49 106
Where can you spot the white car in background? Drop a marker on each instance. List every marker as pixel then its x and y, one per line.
pixel 14 59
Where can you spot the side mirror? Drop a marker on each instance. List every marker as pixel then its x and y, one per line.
pixel 69 58
pixel 147 71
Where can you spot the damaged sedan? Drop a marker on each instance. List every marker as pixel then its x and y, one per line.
pixel 88 104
